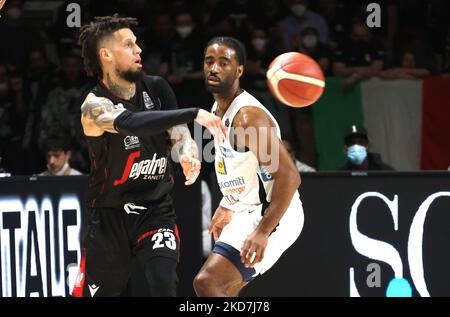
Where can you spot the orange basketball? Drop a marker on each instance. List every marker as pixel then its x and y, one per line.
pixel 295 79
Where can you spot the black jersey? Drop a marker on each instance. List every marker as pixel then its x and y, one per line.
pixel 127 168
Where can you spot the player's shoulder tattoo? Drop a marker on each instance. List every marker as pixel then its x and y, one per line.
pixel 94 107
pixel 101 110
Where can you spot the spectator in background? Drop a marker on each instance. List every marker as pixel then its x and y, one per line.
pixel 158 38
pixel 57 155
pixel 269 14
pixel 409 69
pixel 424 26
pixel 13 114
pixel 261 52
pixel 357 150
pixel 387 32
pixel 62 108
pixel 301 167
pixel 181 63
pixel 300 18
pixel 307 42
pixel 360 57
pixel 39 81
pixel 335 14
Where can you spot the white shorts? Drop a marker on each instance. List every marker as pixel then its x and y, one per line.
pixel 245 222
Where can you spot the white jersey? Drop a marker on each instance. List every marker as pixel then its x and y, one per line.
pixel 239 174
pixel 244 182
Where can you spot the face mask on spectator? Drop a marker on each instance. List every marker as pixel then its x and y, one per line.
pixel 310 41
pixel 184 31
pixel 259 44
pixel 3 88
pixel 357 154
pixel 298 9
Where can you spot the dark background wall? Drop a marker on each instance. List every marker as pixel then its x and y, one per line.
pixel 319 262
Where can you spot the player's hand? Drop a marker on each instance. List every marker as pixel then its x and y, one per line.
pixel 252 251
pixel 2 3
pixel 191 168
pixel 213 123
pixel 221 218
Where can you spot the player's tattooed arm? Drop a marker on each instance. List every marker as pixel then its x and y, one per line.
pixel 182 142
pixel 98 115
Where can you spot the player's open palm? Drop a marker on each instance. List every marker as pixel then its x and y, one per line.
pixel 213 123
pixel 191 169
pixel 221 218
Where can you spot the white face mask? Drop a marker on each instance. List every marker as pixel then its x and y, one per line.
pixel 298 9
pixel 259 44
pixel 184 31
pixel 310 41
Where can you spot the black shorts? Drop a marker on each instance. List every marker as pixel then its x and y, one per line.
pixel 111 237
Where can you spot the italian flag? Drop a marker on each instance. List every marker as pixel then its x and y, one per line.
pixel 408 121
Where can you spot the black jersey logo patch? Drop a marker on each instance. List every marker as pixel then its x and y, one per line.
pixel 148 103
pixel 131 142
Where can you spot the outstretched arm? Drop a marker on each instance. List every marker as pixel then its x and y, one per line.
pixel 100 114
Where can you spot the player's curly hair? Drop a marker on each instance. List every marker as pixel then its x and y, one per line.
pixel 93 33
pixel 232 43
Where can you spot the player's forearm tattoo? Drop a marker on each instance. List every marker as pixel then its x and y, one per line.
pixel 102 111
pixel 182 141
pixel 124 92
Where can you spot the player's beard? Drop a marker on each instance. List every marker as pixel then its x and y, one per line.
pixel 224 86
pixel 130 75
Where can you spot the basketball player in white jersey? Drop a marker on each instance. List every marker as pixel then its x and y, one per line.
pixel 261 214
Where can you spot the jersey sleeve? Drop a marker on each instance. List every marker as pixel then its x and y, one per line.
pixel 147 123
pixel 165 94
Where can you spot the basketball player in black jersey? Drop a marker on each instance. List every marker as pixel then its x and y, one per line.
pixel 130 120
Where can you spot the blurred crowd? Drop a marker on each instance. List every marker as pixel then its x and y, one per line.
pixel 42 79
